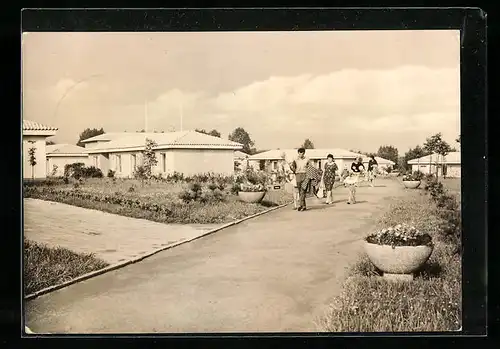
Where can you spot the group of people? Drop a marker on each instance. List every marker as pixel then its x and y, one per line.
pixel 306 178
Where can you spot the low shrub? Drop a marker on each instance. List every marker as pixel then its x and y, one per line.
pixel 45 266
pixel 449 211
pixel 140 173
pixel 78 170
pixel 111 174
pixel 195 192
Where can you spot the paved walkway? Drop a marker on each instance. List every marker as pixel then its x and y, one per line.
pixel 111 237
pixel 275 273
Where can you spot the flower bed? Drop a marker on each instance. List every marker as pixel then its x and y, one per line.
pixel 157 201
pixel 432 302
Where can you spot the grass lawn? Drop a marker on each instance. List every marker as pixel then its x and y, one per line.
pixel 45 266
pixel 452 184
pixel 432 302
pixel 153 200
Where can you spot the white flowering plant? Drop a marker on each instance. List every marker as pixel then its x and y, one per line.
pixel 415 176
pixel 400 235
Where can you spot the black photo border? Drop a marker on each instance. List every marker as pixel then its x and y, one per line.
pixel 470 21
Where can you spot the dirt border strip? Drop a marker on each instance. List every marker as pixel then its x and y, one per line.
pixel 146 255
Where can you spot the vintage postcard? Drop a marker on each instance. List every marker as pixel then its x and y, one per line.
pixel 242 182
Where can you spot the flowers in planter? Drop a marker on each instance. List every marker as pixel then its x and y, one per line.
pixel 400 235
pixel 250 181
pixel 252 187
pixel 415 176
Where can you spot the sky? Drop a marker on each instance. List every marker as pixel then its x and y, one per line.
pixel 340 89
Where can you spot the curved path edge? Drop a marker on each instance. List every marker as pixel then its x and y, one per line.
pixel 144 256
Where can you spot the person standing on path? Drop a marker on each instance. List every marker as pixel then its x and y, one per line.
pixel 372 168
pixel 299 166
pixel 291 180
pixel 357 168
pixel 329 177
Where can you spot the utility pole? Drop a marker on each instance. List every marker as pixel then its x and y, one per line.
pixel 181 112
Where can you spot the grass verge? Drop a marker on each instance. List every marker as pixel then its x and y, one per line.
pixel 432 302
pixel 45 266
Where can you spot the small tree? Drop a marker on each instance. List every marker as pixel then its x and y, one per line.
pixel 149 157
pixel 435 144
pixel 32 158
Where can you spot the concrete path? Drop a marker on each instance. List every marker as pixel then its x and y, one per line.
pixel 111 237
pixel 275 273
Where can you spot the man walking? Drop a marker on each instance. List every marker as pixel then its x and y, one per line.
pixel 300 165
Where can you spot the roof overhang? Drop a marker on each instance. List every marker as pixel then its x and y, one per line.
pixel 66 155
pixel 310 157
pixel 162 147
pixel 415 162
pixel 44 133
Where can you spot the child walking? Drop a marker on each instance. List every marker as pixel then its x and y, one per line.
pixel 357 168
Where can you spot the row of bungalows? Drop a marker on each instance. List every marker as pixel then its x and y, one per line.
pixel 271 161
pixel 186 152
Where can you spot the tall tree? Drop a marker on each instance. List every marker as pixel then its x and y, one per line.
pixel 414 153
pixel 89 133
pixel 214 132
pixel 241 136
pixel 308 144
pixel 436 144
pixel 388 152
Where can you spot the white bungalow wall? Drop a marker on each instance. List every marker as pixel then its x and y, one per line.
pixel 196 161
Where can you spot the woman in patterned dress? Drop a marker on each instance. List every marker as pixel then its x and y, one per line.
pixel 329 177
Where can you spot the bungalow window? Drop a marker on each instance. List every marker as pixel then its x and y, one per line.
pixel 95 160
pixel 118 165
pixel 262 165
pixel 164 162
pixel 275 165
pixel 133 162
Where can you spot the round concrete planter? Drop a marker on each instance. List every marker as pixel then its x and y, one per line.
pixel 398 259
pixel 251 196
pixel 411 184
